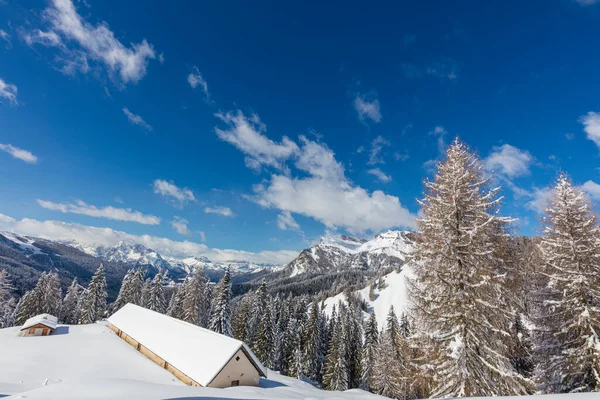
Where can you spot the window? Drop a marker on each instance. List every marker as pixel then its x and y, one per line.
pixel 237 358
pixel 235 383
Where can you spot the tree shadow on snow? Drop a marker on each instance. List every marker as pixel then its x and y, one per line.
pixel 60 330
pixel 269 384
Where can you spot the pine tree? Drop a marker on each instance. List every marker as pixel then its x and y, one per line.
pixel 457 293
pixel 569 343
pixel 369 353
pixel 336 367
pixel 156 296
pixel 122 296
pixel 52 295
pixel 175 309
pixel 240 320
pixel 7 301
pixel 193 297
pixel 263 340
pixel 26 308
pixel 313 350
pixel 257 310
pixel 354 333
pixel 94 304
pixel 70 309
pixel 145 294
pixel 387 375
pixel 220 314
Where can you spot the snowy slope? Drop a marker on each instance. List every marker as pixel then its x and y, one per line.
pixel 91 362
pixel 394 294
pixel 341 253
pixel 25 243
pixel 237 267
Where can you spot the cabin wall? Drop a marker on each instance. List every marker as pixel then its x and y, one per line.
pixel 36 330
pixel 241 370
pixel 153 357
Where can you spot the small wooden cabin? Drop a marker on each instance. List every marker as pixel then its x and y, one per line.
pixel 40 325
pixel 196 356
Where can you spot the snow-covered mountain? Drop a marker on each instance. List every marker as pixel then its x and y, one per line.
pixel 138 255
pixel 337 253
pixel 237 266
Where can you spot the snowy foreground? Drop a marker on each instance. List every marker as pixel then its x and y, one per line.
pixel 91 362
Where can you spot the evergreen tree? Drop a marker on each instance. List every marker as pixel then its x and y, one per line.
pixel 257 312
pixel 122 296
pixel 94 304
pixel 156 296
pixel 145 294
pixel 387 375
pixel 457 293
pixel 569 343
pixel 26 308
pixel 220 314
pixel 313 350
pixel 336 366
pixel 7 301
pixel 369 353
pixel 193 297
pixel 175 309
pixel 240 320
pixel 354 333
pixel 264 338
pixel 70 309
pixel 52 295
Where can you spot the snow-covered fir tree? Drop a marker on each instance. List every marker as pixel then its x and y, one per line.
pixel 52 295
pixel 314 357
pixel 69 313
pixel 145 293
pixel 7 300
pixel 122 296
pixel 156 296
pixel 457 293
pixel 175 308
pixel 387 373
pixel 194 300
pixel 369 353
pixel 26 307
pixel 94 303
pixel 354 334
pixel 568 344
pixel 336 365
pixel 220 313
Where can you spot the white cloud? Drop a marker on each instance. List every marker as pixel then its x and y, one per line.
pixel 509 161
pixel 325 194
pixel 136 119
pixel 8 92
pixel 195 79
pixel 367 109
pixel 379 174
pixel 446 69
pixel 21 154
pixel 223 211
pixel 90 235
pixel 181 226
pixel 286 221
pixel 168 189
pixel 376 146
pixel 6 37
pixel 540 199
pixel 591 126
pixel 80 42
pixel 592 189
pixel 440 132
pixel 247 134
pixel 119 214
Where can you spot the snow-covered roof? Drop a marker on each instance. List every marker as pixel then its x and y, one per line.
pixel 197 352
pixel 44 319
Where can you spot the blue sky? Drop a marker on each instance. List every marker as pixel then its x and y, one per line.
pixel 258 127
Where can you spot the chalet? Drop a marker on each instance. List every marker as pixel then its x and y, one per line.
pixel 40 325
pixel 196 356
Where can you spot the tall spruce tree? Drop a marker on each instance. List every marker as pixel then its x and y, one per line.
pixel 94 303
pixel 145 293
pixel 387 375
pixel 194 298
pixel 569 342
pixel 7 300
pixel 70 309
pixel 369 353
pixel 457 293
pixel 336 365
pixel 156 296
pixel 220 313
pixel 175 308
